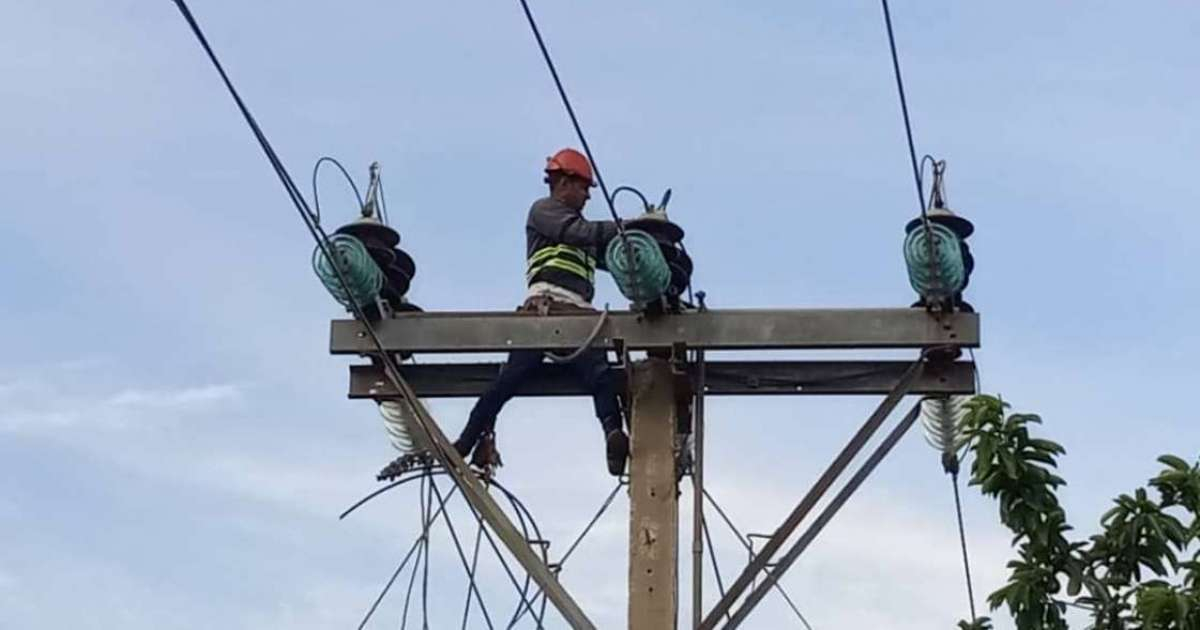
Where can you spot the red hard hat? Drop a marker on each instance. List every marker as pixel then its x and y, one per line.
pixel 571 162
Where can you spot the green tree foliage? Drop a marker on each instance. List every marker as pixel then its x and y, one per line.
pixel 1135 574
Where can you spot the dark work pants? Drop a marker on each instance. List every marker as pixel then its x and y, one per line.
pixel 591 368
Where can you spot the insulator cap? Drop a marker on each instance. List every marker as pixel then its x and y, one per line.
pixel 944 216
pixel 657 224
pixel 372 232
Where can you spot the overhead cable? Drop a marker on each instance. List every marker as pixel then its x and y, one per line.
pixel 566 101
pixel 441 446
pixel 912 148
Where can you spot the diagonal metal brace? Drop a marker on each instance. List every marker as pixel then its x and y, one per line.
pixel 839 464
pixel 476 494
pixel 823 519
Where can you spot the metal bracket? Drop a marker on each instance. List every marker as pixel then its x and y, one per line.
pixel 750 554
pixel 839 464
pixel 827 514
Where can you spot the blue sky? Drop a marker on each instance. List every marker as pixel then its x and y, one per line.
pixel 175 443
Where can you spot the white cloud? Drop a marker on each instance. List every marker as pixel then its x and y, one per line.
pixel 318 488
pixel 181 398
pixel 34 406
pixel 25 421
pixel 901 559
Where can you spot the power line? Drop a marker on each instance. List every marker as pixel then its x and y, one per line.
pixel 471 573
pixel 310 219
pixel 962 537
pixel 306 214
pixel 912 148
pixel 562 93
pixel 472 588
pixel 530 530
pixel 579 539
pixel 441 447
pixel 416 548
pixel 917 170
pixel 742 539
pixel 526 602
pixel 604 507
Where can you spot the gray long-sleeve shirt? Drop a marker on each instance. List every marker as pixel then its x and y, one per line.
pixel 551 222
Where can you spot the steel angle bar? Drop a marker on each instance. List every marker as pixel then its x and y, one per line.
pixel 486 507
pixel 814 494
pixel 827 514
pixel 742 329
pixel 722 378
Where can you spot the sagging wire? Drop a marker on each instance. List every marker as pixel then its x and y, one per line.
pixel 422 555
pixel 412 579
pixel 620 189
pixel 316 170
pixel 474 567
pixel 472 588
pixel 583 347
pixel 520 510
pixel 408 556
pixel 426 509
pixel 579 539
pixel 742 539
pixel 525 518
pixel 525 601
pixel 387 587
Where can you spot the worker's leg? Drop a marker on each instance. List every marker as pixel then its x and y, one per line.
pixel 483 415
pixel 592 369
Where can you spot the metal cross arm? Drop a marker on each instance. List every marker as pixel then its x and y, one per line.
pixel 742 329
pixel 722 378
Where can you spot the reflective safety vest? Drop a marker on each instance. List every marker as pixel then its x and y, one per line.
pixel 563 257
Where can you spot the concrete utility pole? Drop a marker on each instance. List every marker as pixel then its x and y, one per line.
pixel 653 498
pixel 654 393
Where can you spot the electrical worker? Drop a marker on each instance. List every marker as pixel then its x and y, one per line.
pixel 563 250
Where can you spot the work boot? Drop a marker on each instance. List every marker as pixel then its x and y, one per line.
pixel 617 451
pixel 487 456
